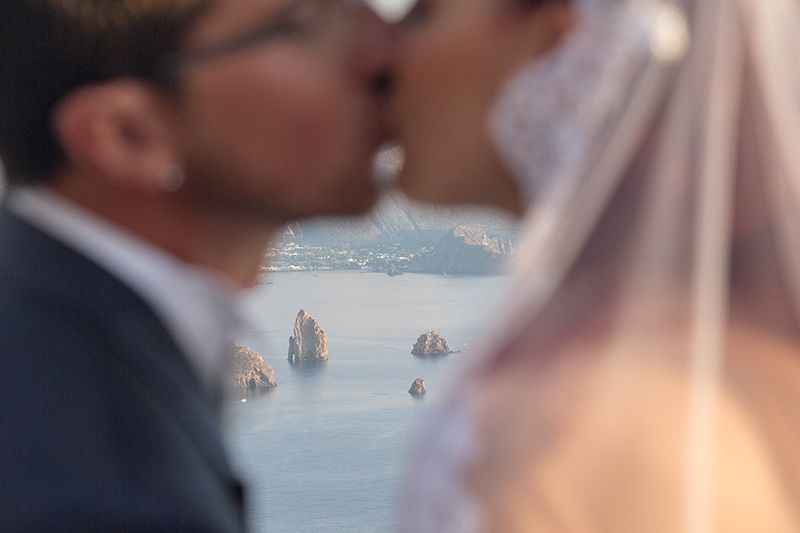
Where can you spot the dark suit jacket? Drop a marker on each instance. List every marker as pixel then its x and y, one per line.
pixel 103 425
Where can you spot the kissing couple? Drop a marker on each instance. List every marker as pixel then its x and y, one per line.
pixel 647 374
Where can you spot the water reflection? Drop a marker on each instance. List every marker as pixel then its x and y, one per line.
pixel 249 394
pixel 306 369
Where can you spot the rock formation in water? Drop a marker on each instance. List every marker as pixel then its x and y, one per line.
pixel 466 250
pixel 418 388
pixel 431 344
pixel 393 271
pixel 249 372
pixel 309 343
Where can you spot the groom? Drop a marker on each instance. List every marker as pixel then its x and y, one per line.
pixel 152 147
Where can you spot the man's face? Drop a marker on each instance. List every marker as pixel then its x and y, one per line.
pixel 284 127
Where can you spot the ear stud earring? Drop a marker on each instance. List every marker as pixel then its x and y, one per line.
pixel 171 178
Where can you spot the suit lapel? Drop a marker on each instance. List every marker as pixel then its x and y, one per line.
pixel 143 347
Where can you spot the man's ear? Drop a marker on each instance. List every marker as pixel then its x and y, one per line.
pixel 120 133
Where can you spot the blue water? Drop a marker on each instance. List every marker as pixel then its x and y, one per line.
pixel 325 451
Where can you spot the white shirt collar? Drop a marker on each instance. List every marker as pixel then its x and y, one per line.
pixel 197 306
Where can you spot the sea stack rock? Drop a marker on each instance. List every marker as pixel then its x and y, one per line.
pixel 309 342
pixel 418 388
pixel 465 250
pixel 431 344
pixel 392 271
pixel 249 372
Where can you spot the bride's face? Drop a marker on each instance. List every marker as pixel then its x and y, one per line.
pixel 455 56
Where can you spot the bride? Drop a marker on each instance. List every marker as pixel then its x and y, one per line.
pixel 645 373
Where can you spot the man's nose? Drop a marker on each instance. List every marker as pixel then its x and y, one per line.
pixel 376 47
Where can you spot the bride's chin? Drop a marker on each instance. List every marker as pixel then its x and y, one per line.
pixel 421 188
pixel 426 188
pixel 431 178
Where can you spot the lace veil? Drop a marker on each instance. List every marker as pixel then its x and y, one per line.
pixel 659 151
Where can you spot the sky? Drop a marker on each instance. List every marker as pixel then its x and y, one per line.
pixel 391 8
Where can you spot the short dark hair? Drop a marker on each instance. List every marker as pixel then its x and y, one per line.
pixel 52 47
pixel 532 4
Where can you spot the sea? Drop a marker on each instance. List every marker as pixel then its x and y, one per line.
pixel 325 451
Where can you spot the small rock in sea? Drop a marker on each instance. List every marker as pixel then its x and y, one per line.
pixel 249 372
pixel 431 344
pixel 309 342
pixel 393 271
pixel 418 388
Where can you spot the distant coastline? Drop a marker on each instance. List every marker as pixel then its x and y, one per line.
pixel 464 250
pixel 300 257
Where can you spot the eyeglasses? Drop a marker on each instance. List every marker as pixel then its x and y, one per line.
pixel 304 20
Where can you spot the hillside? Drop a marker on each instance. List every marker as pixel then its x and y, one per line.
pixel 396 219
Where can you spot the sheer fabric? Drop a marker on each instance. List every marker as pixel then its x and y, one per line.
pixel 645 375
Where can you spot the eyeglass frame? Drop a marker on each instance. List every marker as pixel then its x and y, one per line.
pixel 283 24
